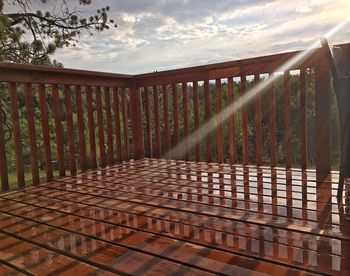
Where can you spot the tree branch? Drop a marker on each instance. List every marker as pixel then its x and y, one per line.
pixel 19 17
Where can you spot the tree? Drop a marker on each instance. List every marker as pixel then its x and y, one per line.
pixel 28 36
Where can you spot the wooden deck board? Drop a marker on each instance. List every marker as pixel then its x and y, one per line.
pixel 162 217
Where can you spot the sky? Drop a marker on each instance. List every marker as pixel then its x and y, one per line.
pixel 168 34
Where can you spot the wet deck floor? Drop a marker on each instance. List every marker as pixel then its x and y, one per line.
pixel 158 217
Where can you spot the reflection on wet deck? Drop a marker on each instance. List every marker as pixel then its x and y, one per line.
pixel 175 217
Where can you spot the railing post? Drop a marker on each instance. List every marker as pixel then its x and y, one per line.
pixel 323 90
pixel 136 122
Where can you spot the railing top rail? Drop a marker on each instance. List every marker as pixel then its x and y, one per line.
pixel 222 65
pixel 250 66
pixel 243 62
pixel 15 72
pixel 61 70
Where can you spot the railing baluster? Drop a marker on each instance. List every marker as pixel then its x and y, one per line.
pixel 231 121
pixel 117 124
pixel 101 138
pixel 109 126
pixel 3 160
pixel 322 110
pixel 44 116
pixel 244 113
pixel 70 131
pixel 186 125
pixel 148 123
pixel 197 148
pixel 272 124
pixel 125 124
pixel 287 120
pixel 258 125
pixel 136 122
pixel 58 130
pixel 157 148
pixel 91 125
pixel 17 136
pixel 81 128
pixel 220 145
pixel 166 119
pixel 303 133
pixel 208 139
pixel 176 119
pixel 32 133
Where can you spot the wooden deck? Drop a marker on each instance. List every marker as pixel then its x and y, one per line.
pixel 162 217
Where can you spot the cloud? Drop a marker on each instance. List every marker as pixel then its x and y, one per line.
pixel 303 9
pixel 164 34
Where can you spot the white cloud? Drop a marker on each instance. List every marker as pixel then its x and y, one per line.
pixel 303 9
pixel 128 18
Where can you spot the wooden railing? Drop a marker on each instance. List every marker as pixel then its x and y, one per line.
pixel 75 120
pixel 210 89
pixel 57 120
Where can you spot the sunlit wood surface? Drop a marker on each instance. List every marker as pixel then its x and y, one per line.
pixel 162 217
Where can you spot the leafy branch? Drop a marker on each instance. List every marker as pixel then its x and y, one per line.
pixel 31 37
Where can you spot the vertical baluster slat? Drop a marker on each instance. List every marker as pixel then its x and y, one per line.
pixel 207 111
pixel 231 121
pixel 258 124
pixel 186 125
pixel 81 128
pixel 3 160
pixel 176 119
pixel 148 122
pixel 58 130
pixel 272 124
pixel 135 105
pixel 303 133
pixel 109 126
pixel 44 116
pixel 322 110
pixel 218 96
pixel 31 133
pixel 197 148
pixel 244 126
pixel 125 124
pixel 70 131
pixel 101 138
pixel 287 120
pixel 117 124
pixel 166 119
pixel 91 125
pixel 17 136
pixel 157 147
